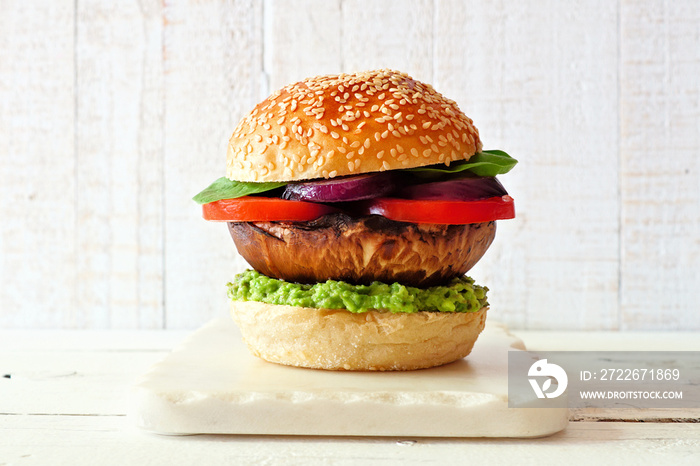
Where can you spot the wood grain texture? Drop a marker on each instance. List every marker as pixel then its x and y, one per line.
pixel 111 118
pixel 119 166
pixel 302 38
pixel 660 165
pixel 213 58
pixel 547 94
pixel 37 164
pixel 109 440
pixel 389 34
pixel 89 425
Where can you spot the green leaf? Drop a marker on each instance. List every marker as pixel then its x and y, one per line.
pixel 223 188
pixel 485 163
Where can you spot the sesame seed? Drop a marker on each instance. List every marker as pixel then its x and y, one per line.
pixel 427 152
pixel 385 134
pixel 367 143
pixel 333 173
pixel 426 125
pixel 377 136
pixel 414 152
pixel 396 133
pixel 399 148
pixel 385 165
pixel 380 154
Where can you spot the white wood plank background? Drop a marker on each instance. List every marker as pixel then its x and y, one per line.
pixel 111 118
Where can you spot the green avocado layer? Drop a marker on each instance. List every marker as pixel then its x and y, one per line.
pixel 459 295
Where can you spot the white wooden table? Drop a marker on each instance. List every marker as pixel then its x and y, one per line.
pixel 65 403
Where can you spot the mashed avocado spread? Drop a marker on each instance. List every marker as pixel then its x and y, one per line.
pixel 459 295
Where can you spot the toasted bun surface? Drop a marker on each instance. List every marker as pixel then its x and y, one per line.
pixel 348 124
pixel 341 340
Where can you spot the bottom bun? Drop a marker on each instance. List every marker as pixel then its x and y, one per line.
pixel 337 339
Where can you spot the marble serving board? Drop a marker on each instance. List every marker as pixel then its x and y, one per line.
pixel 211 384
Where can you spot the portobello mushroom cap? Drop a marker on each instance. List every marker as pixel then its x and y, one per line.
pixel 362 249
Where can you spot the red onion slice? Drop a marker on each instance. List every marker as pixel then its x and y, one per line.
pixel 348 188
pixel 460 189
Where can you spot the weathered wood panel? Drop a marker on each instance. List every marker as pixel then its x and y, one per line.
pixel 660 165
pixel 112 118
pixel 302 38
pixel 212 63
pixel 119 165
pixel 389 34
pixel 540 81
pixel 37 164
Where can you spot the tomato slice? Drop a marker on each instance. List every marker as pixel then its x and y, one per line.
pixel 442 212
pixel 263 209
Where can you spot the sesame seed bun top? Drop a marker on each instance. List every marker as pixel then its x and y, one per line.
pixel 347 124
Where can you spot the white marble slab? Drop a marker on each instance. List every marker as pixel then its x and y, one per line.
pixel 211 384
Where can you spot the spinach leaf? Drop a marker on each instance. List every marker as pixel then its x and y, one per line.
pixel 223 188
pixel 485 163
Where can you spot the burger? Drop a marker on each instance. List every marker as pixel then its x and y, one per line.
pixel 360 201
